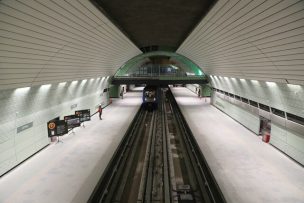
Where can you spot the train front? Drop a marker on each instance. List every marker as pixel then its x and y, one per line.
pixel 150 98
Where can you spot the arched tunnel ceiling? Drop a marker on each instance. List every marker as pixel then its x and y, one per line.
pixel 254 39
pixel 48 41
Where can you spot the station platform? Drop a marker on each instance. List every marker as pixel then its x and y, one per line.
pixel 69 170
pixel 246 169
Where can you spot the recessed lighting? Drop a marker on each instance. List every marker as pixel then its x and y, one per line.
pixel 270 83
pixel 23 88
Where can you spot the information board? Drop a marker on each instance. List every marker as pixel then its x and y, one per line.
pixel 57 128
pixel 84 115
pixel 72 121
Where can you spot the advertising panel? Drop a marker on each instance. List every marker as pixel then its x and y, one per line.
pixel 83 115
pixel 57 128
pixel 72 121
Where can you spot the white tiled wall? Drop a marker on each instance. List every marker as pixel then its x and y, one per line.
pixel 39 104
pixel 289 98
pixel 246 118
pixel 254 39
pixel 43 41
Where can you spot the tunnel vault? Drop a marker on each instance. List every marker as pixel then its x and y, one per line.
pixel 159 67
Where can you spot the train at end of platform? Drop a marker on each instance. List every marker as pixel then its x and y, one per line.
pixel 150 97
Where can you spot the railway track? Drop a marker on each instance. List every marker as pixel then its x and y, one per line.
pixel 158 161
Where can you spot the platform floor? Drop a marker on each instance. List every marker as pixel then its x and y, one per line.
pixel 68 172
pixel 246 169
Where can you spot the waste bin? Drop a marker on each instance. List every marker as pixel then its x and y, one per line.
pixel 266 137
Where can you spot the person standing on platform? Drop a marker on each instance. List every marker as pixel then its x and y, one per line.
pixel 100 112
pixel 199 93
pixel 121 93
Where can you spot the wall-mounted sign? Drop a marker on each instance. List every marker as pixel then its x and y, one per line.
pixel 57 128
pixel 72 121
pixel 24 127
pixel 84 115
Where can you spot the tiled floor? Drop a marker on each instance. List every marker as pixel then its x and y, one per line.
pixel 247 169
pixel 68 171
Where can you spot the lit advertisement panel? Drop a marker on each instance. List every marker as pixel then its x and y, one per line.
pixel 72 121
pixel 84 115
pixel 57 128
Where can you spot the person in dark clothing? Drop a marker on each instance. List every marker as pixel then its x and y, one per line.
pixel 100 112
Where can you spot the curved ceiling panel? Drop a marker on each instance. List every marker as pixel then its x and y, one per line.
pixel 159 58
pixel 254 39
pixel 57 40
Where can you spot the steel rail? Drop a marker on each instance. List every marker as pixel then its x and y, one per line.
pixel 121 181
pixel 166 164
pixel 197 159
pixel 149 181
pixel 118 159
pixel 143 180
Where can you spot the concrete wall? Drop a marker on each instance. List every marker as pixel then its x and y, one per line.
pixel 33 107
pixel 289 98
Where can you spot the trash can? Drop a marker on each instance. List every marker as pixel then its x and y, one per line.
pixel 266 137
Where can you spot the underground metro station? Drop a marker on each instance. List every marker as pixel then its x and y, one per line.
pixel 182 101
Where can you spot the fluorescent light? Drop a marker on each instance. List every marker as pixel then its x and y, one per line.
pixel 271 83
pixel 46 85
pixel 62 83
pixel 23 88
pixel 293 85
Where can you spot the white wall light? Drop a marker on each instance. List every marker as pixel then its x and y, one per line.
pixel 23 89
pixel 271 83
pixel 46 85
